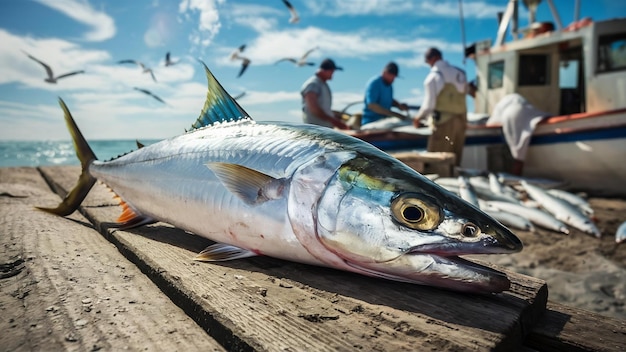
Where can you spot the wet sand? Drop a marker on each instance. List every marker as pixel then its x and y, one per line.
pixel 581 271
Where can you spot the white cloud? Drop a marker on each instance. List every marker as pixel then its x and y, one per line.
pixel 271 46
pixel 258 17
pixel 103 26
pixel 161 29
pixel 62 56
pixel 358 7
pixel 102 99
pixel 262 98
pixel 430 8
pixel 209 20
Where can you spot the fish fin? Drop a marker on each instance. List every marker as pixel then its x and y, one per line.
pixel 221 252
pixel 72 200
pixel 251 186
pixel 130 217
pixel 219 105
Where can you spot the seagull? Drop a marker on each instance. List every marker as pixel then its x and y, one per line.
pixel 143 67
pixel 235 54
pixel 244 60
pixel 150 94
pixel 51 78
pixel 169 62
pixel 301 61
pixel 294 15
pixel 238 96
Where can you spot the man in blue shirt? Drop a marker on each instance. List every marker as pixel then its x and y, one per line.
pixel 379 96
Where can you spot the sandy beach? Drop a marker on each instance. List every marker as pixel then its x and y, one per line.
pixel 581 271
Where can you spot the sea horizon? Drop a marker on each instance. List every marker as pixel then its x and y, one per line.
pixel 32 153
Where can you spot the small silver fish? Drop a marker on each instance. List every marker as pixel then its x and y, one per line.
pixel 620 234
pixel 466 191
pixel 574 199
pixel 536 216
pixel 562 210
pixel 510 219
pixel 298 192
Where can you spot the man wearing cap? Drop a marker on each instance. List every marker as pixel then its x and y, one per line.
pixel 379 96
pixel 444 105
pixel 317 98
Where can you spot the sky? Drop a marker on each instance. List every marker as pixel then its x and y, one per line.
pixel 93 35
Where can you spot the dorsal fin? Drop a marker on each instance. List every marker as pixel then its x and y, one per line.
pixel 219 105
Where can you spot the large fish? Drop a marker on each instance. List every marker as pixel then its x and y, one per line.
pixel 302 193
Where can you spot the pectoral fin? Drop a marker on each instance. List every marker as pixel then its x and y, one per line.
pixel 221 252
pixel 251 186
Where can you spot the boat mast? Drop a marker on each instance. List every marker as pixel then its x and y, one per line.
pixel 511 10
pixel 555 14
pixel 462 29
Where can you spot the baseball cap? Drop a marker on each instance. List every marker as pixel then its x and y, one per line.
pixel 392 68
pixel 329 64
pixel 432 53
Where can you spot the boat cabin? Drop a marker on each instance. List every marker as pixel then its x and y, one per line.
pixel 577 69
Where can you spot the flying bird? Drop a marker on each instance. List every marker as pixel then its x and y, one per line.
pixel 51 78
pixel 145 91
pixel 235 54
pixel 240 95
pixel 245 62
pixel 144 68
pixel 294 14
pixel 301 61
pixel 168 61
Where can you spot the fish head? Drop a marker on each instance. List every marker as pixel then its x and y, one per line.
pixel 384 219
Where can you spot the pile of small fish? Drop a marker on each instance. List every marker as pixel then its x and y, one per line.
pixel 523 203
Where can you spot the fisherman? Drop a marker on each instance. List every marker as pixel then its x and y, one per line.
pixel 444 105
pixel 317 98
pixel 379 96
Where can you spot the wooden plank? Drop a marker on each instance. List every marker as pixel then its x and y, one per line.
pixel 564 328
pixel 64 287
pixel 268 304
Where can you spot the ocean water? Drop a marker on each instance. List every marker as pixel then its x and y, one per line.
pixel 50 153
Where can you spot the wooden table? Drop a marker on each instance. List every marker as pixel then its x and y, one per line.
pixel 76 283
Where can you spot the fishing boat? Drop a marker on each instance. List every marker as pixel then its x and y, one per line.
pixel 575 73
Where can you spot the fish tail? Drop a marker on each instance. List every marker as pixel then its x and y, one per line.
pixel 72 200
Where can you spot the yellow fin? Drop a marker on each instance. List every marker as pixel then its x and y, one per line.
pixel 221 252
pixel 252 186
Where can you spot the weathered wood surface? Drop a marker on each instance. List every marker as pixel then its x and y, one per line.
pixel 64 287
pixel 564 328
pixel 268 304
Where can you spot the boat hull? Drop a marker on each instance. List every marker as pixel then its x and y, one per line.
pixel 588 151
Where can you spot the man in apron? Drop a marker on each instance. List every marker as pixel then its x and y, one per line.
pixel 444 105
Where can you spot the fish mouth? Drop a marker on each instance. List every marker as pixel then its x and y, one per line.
pixel 440 270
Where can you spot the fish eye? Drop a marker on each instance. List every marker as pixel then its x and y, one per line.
pixel 415 212
pixel 412 213
pixel 470 230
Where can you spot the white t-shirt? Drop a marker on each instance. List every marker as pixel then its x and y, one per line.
pixel 324 100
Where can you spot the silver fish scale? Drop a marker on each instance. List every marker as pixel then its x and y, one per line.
pixel 169 180
pixel 272 149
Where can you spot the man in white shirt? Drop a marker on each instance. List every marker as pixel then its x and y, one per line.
pixel 444 105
